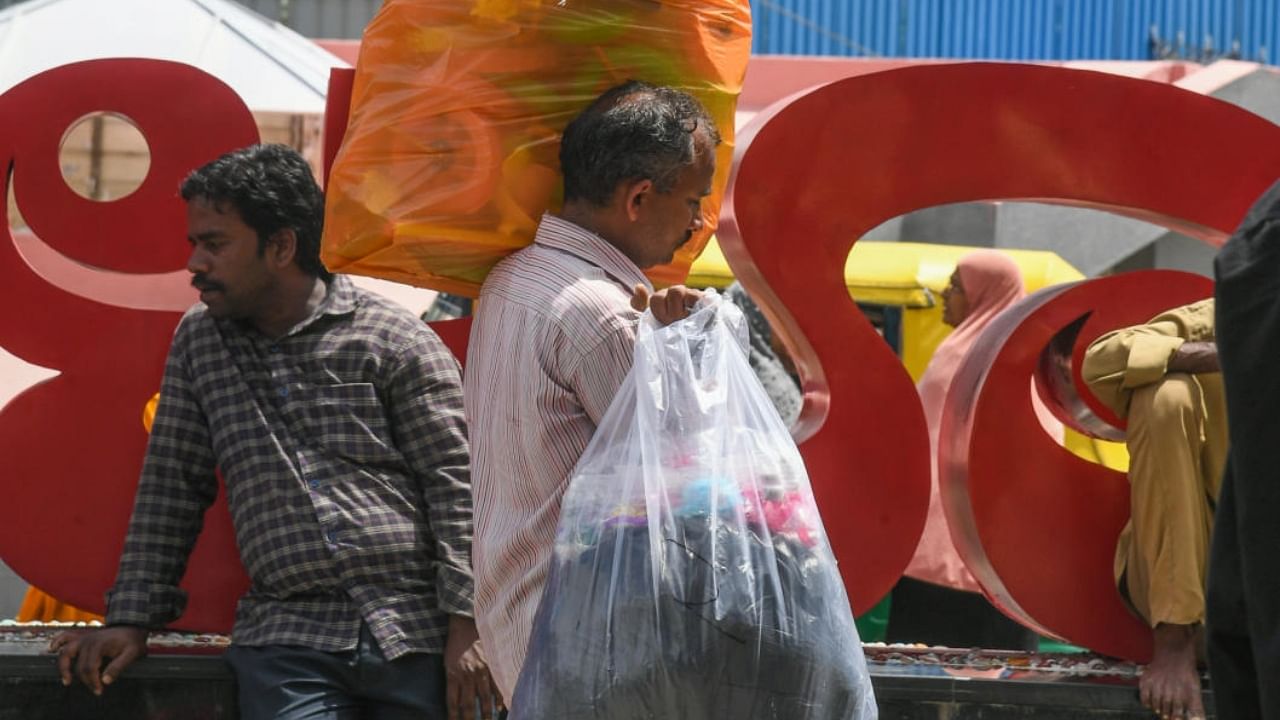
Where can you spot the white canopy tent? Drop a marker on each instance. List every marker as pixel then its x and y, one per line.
pixel 272 68
pixel 281 76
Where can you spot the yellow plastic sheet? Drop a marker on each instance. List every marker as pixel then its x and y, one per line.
pixel 451 152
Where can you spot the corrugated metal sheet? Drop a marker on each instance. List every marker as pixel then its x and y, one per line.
pixel 1021 29
pixel 312 18
pixel 987 29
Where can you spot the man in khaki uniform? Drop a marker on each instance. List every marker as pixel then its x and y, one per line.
pixel 1163 378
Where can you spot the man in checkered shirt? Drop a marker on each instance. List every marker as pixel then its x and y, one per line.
pixel 336 420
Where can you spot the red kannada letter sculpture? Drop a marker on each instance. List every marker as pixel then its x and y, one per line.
pixel 819 170
pixel 72 446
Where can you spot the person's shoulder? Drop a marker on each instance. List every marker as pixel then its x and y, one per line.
pixel 390 325
pixel 533 272
pixel 594 304
pixel 375 307
pixel 555 283
pixel 196 323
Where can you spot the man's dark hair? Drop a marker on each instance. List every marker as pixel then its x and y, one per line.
pixel 272 188
pixel 634 131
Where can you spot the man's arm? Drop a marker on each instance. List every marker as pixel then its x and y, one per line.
pixel 424 397
pixel 599 372
pixel 1195 357
pixel 1123 360
pixel 177 485
pixel 429 424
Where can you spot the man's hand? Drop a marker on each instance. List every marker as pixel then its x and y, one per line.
pixel 467 672
pixel 1195 357
pixel 121 644
pixel 668 305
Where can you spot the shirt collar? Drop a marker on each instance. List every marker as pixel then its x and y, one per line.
pixel 556 232
pixel 340 298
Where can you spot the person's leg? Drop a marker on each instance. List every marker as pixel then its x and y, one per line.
pixel 1167 553
pixel 291 683
pixel 934 615
pixel 411 687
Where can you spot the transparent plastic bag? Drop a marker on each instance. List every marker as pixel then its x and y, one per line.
pixel 691 576
pixel 451 153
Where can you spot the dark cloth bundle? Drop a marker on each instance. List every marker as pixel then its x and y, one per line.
pixel 711 642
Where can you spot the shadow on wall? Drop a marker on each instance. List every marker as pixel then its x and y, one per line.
pixel 12 590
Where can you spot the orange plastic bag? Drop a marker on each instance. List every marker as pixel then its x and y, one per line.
pixel 451 153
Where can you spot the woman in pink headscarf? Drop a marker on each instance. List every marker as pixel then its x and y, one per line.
pixel 939 602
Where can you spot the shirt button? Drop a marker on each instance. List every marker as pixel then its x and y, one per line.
pixel 274 348
pixel 314 483
pixel 284 391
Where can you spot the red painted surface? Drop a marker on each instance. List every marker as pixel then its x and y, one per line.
pixel 72 446
pixel 337 113
pixel 917 137
pixel 455 334
pixel 1035 524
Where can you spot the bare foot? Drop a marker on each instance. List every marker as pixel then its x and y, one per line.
pixel 1170 685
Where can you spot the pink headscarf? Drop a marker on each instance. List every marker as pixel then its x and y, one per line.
pixel 991 283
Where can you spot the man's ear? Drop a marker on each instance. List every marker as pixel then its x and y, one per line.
pixel 636 194
pixel 282 247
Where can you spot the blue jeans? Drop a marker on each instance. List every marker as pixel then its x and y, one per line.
pixel 295 683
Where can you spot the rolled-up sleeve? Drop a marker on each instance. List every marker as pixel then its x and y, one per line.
pixel 1119 362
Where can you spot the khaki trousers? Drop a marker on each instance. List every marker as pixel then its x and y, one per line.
pixel 1177 440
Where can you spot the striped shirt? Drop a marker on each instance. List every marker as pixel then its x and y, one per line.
pixel 343 448
pixel 551 344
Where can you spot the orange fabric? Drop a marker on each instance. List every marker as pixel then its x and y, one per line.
pixel 991 283
pixel 149 412
pixel 451 154
pixel 38 606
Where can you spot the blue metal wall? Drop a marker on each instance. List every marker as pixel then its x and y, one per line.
pixel 1021 29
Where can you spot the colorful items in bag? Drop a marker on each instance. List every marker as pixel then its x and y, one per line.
pixel 700 497
pixel 451 152
pixel 627 516
pixel 783 515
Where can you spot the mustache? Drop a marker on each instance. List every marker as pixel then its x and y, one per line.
pixel 202 283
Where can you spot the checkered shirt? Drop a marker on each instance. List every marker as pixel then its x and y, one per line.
pixel 343 448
